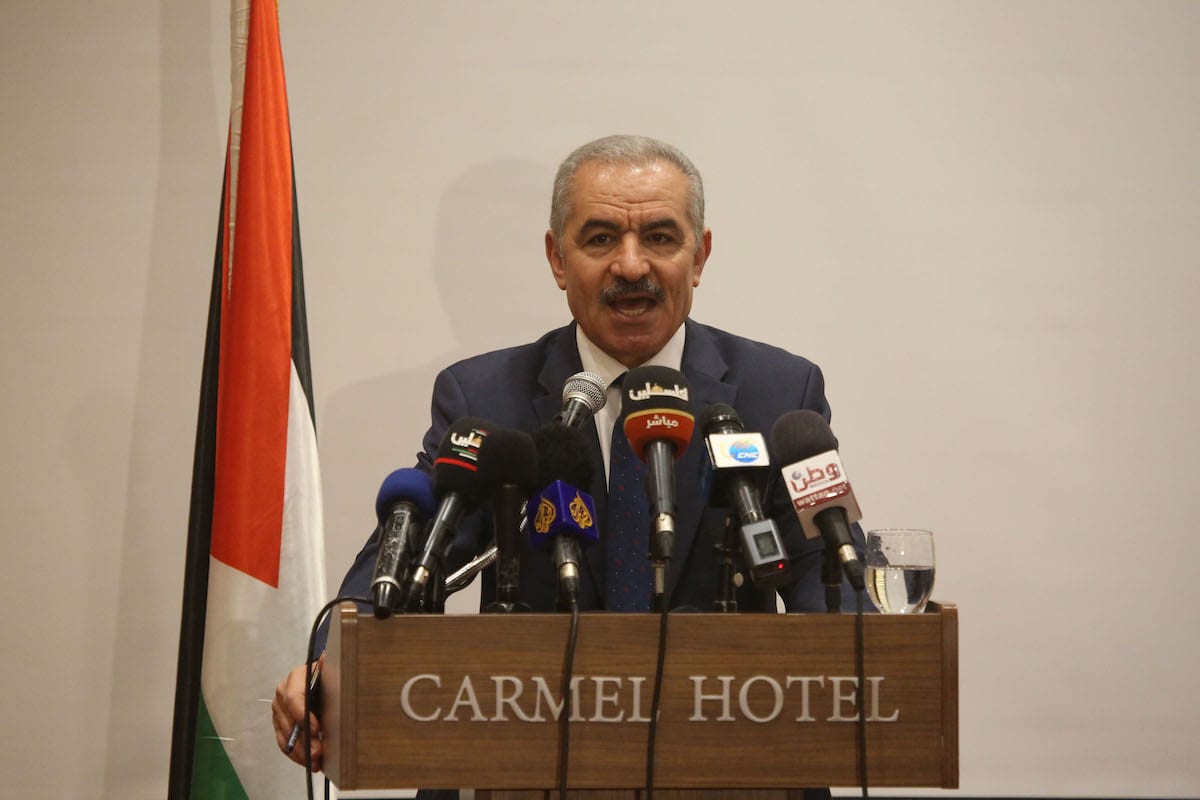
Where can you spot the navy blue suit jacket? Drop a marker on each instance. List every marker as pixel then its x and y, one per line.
pixel 521 387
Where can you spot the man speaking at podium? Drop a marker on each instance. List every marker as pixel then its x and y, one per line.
pixel 628 245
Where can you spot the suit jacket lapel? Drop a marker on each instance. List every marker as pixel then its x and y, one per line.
pixel 561 362
pixel 705 369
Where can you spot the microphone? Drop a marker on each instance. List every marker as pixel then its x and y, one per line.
pixel 404 501
pixel 460 488
pixel 735 456
pixel 817 484
pixel 511 467
pixel 562 517
pixel 658 424
pixel 583 395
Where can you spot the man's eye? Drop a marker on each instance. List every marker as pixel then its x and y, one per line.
pixel 660 238
pixel 601 239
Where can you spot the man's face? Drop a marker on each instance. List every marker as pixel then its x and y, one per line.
pixel 628 259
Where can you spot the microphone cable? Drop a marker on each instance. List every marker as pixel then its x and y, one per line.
pixel 312 683
pixel 564 717
pixel 656 699
pixel 862 689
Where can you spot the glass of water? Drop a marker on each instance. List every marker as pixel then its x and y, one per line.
pixel 899 569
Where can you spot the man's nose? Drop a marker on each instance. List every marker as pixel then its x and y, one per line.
pixel 630 262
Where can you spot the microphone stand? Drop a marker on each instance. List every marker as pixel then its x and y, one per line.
pixel 435 593
pixel 662 542
pixel 462 577
pixel 508 504
pixel 726 602
pixel 432 599
pixel 831 576
pixel 660 486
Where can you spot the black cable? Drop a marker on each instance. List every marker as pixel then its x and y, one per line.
pixel 654 703
pixel 309 660
pixel 862 690
pixel 564 718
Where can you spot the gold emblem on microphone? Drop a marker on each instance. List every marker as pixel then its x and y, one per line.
pixel 579 512
pixel 545 516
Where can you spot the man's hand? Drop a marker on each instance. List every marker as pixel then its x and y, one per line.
pixel 287 709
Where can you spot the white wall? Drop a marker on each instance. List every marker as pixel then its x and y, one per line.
pixel 980 218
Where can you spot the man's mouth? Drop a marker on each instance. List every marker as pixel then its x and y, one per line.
pixel 632 306
pixel 633 299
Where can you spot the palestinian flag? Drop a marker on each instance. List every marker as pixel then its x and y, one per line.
pixel 255 568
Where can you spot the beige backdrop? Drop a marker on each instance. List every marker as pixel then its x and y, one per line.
pixel 980 218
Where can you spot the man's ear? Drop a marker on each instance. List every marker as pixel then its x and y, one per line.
pixel 700 258
pixel 555 259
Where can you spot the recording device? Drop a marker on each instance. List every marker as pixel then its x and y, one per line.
pixel 461 486
pixel 736 457
pixel 658 424
pixel 562 517
pixel 404 502
pixel 584 393
pixel 817 485
pixel 511 466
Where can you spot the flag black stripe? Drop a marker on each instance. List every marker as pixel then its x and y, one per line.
pixel 195 581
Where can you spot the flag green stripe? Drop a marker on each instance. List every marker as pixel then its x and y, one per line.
pixel 213 775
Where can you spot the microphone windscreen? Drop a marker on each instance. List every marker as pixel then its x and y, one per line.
pixel 656 407
pixel 407 484
pixel 456 468
pixel 509 457
pixel 562 455
pixel 720 418
pixel 798 435
pixel 654 387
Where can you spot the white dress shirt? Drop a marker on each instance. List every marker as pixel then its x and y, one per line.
pixel 596 360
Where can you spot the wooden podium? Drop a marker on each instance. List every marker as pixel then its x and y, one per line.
pixel 749 701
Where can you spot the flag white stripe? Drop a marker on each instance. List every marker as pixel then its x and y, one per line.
pixel 255 633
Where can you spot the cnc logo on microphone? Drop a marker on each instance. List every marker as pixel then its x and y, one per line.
pixel 744 451
pixel 657 390
pixel 737 450
pixel 466 445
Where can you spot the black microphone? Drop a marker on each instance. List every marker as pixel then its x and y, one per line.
pixel 658 424
pixel 817 484
pixel 511 467
pixel 460 488
pixel 584 393
pixel 404 501
pixel 562 516
pixel 735 455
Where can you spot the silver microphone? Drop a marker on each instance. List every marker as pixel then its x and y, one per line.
pixel 583 395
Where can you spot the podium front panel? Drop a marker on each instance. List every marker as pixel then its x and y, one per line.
pixel 748 700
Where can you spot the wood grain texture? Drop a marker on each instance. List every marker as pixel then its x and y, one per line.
pixel 915 655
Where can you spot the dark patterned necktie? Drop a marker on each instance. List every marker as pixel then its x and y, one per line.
pixel 627 534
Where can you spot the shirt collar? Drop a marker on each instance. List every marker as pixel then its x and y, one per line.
pixel 596 360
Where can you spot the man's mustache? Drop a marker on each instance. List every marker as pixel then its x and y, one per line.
pixel 641 287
